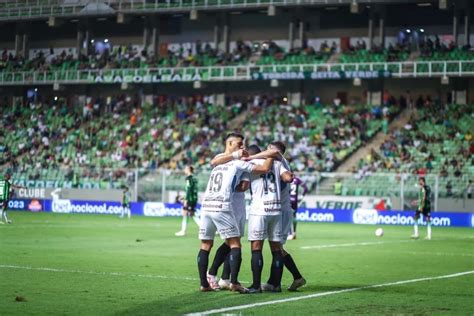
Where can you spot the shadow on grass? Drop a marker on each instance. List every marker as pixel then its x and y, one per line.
pixel 198 302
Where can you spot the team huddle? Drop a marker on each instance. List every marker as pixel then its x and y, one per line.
pixel 268 177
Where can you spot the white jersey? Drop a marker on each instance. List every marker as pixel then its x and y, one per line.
pixel 221 186
pixel 285 189
pixel 265 189
pixel 238 198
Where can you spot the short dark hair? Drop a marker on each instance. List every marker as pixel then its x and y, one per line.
pixel 253 149
pixel 422 179
pixel 191 168
pixel 233 134
pixel 279 145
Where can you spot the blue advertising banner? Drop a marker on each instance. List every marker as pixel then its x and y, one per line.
pixel 374 217
pixel 158 209
pixel 32 205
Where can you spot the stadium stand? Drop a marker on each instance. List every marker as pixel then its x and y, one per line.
pixel 120 135
pixel 126 57
pixel 292 53
pixel 437 140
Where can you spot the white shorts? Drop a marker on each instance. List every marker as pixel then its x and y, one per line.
pixel 286 221
pixel 263 227
pixel 223 222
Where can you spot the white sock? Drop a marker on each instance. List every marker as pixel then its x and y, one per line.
pixel 184 223
pixel 129 212
pixel 4 216
pixel 416 228
pixel 428 229
pixel 197 220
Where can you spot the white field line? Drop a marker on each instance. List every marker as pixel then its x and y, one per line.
pixel 305 297
pixel 427 253
pixel 148 276
pixel 368 243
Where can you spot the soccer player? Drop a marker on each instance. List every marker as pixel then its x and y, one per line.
pixel 190 200
pixel 125 202
pixel 265 221
pixel 424 207
pixel 217 214
pixel 6 187
pixel 232 151
pixel 277 150
pixel 294 195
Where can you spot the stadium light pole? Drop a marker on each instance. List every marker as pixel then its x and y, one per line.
pixel 402 192
pixel 354 7
pixel 271 10
pixel 193 15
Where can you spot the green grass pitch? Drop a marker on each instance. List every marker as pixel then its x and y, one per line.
pixel 54 264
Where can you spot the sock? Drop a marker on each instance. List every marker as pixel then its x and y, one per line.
pixel 416 228
pixel 226 271
pixel 257 267
pixel 294 226
pixel 221 255
pixel 428 229
pixel 184 223
pixel 235 259
pixel 291 266
pixel 271 277
pixel 277 268
pixel 4 216
pixel 203 262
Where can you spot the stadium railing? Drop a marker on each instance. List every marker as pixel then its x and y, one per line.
pixel 244 73
pixel 24 9
pixel 396 191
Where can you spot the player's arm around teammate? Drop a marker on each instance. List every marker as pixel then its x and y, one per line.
pixel 217 215
pixel 226 157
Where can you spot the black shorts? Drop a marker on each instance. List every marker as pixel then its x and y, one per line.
pixel 4 205
pixel 426 212
pixel 125 205
pixel 190 208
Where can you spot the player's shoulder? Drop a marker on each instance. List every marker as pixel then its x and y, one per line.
pixel 257 161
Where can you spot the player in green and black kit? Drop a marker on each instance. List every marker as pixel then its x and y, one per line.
pixel 424 207
pixel 190 200
pixel 6 187
pixel 125 202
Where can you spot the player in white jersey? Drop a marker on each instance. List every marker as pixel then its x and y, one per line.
pixel 276 150
pixel 232 151
pixel 265 220
pixel 217 214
